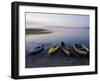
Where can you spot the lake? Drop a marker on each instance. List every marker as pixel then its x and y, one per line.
pixel 50 36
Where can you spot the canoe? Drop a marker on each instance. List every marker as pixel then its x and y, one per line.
pixel 65 49
pixel 53 49
pixel 81 49
pixel 36 50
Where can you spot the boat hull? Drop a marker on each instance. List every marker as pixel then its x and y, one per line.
pixel 65 51
pixel 35 50
pixel 81 51
pixel 53 50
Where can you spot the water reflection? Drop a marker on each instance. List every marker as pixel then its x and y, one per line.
pixel 69 36
pixel 50 36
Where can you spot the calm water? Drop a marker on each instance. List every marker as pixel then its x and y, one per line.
pixel 67 35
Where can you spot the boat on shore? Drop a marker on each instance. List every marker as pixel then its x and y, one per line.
pixel 65 49
pixel 81 49
pixel 36 50
pixel 53 50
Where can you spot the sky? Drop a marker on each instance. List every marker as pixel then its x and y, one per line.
pixel 40 20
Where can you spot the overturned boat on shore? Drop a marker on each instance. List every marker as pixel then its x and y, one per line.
pixel 81 49
pixel 35 50
pixel 65 49
pixel 53 50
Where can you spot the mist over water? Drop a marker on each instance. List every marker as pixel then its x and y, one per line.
pixel 68 35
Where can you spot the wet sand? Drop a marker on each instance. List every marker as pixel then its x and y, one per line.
pixel 43 59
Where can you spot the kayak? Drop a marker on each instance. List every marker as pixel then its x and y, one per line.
pixel 53 49
pixel 36 50
pixel 81 49
pixel 65 49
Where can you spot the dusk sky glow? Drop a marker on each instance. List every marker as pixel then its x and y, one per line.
pixel 39 20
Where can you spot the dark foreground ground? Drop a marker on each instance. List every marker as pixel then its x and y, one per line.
pixel 43 59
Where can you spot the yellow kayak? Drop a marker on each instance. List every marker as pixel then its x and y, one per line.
pixel 53 49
